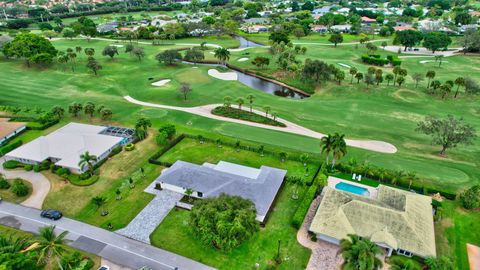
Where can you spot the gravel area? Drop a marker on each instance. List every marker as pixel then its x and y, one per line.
pixel 151 216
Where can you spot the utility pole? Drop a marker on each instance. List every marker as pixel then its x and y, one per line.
pixel 5 14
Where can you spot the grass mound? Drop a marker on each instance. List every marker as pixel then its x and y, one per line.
pixel 245 115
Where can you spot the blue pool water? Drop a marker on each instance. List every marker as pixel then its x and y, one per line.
pixel 352 189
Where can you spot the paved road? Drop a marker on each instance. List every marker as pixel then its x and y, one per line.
pixel 109 245
pixel 40 184
pixel 205 111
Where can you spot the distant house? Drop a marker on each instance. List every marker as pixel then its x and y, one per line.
pixel 402 28
pixel 319 28
pixel 64 146
pixel 322 11
pixel 254 29
pixel 341 28
pixel 107 27
pixel 210 180
pixel 256 21
pixel 367 20
pixel 9 130
pixel 464 28
pixel 394 219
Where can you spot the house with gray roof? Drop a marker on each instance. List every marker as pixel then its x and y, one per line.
pixel 210 180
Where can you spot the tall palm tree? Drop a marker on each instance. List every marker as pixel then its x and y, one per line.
pixel 50 244
pixel 430 75
pixel 339 148
pixel 403 264
pixel 222 54
pixel 460 81
pixel 326 146
pixel 87 160
pixel 250 99
pixel 360 254
pixel 141 127
pixel 240 102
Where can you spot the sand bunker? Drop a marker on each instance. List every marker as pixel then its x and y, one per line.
pixel 243 59
pixel 226 76
pixel 161 82
pixel 430 61
pixel 344 65
pixel 117 45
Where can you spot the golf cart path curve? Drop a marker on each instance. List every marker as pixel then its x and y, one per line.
pixel 40 185
pixel 205 111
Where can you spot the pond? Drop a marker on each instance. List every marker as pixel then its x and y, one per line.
pixel 245 43
pixel 260 84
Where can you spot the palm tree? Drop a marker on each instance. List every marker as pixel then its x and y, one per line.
pixel 267 110
pixel 353 71
pixel 227 101
pixel 87 160
pixel 141 127
pixel 50 244
pixel 250 99
pixel 240 102
pixel 326 146
pixel 222 55
pixel 460 81
pixel 360 253
pixel 188 193
pixel 403 264
pixel 430 75
pixel 99 202
pixel 359 77
pixel 304 159
pixel 388 77
pixel 339 147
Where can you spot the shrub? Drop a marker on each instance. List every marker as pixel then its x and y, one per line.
pixel 9 147
pixel 19 188
pixel 4 184
pixel 129 147
pixel 12 164
pixel 470 198
pixel 62 171
pixel 304 205
pixel 169 129
pixel 36 168
pixel 115 151
pixel 28 167
pixel 161 138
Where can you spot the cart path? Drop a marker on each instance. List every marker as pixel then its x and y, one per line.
pixel 205 111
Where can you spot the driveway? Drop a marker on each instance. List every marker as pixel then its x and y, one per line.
pixel 40 184
pixel 205 111
pixel 151 216
pixel 111 246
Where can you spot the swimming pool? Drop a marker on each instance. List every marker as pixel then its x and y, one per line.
pixel 352 189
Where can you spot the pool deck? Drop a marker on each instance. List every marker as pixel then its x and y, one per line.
pixel 333 181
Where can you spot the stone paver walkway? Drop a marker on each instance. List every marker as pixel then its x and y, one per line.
pixel 40 184
pixel 324 256
pixel 206 111
pixel 151 216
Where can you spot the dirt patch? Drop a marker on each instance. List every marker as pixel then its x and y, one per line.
pixel 406 95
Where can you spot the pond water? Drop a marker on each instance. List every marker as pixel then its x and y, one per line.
pixel 245 43
pixel 260 84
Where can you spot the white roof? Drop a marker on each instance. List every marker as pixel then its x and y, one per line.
pixel 67 144
pixel 236 169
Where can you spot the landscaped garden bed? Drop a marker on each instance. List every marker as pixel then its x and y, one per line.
pixel 246 115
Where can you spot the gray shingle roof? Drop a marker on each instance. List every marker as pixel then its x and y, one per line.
pixel 261 191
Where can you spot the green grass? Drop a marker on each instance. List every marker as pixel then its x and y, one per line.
pixel 175 235
pixel 114 174
pixel 245 115
pixel 193 151
pixel 382 113
pixel 457 228
pixel 9 196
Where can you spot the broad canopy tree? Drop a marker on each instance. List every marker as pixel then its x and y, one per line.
pixel 408 38
pixel 448 132
pixel 435 41
pixel 224 222
pixel 31 48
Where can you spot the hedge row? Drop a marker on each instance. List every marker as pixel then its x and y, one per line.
pixel 9 147
pixel 154 158
pixel 304 205
pixel 42 126
pixel 375 59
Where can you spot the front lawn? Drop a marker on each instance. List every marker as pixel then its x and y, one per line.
pixel 191 150
pixel 175 235
pixel 75 201
pixel 9 196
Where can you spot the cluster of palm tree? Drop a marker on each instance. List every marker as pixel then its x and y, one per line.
pixel 87 161
pixel 69 56
pixel 35 253
pixel 88 108
pixel 435 87
pixel 376 76
pixel 333 145
pixel 360 254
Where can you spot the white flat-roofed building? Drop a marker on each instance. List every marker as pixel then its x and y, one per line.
pixel 10 129
pixel 64 146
